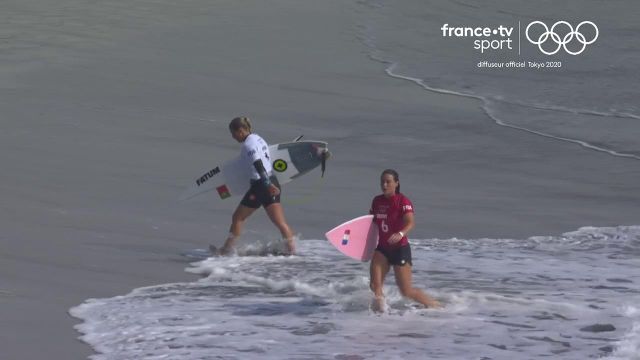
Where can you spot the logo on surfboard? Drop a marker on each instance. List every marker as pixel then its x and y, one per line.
pixel 208 176
pixel 345 237
pixel 280 165
pixel 223 191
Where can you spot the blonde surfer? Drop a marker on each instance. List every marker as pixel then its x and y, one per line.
pixel 264 189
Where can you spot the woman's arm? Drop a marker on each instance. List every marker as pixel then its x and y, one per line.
pixel 408 225
pixel 259 166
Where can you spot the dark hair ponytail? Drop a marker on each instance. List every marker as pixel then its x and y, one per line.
pixel 395 175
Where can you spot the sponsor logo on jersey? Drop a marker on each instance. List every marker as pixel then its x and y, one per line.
pixel 381 216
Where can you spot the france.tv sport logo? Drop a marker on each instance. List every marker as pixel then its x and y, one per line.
pixel 551 40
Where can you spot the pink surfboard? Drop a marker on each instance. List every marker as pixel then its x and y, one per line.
pixel 355 238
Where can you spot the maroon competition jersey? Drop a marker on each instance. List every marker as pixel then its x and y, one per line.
pixel 387 214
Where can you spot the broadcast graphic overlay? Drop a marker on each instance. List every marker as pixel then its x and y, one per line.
pixel 500 41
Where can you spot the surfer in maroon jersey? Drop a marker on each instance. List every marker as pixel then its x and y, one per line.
pixel 393 214
pixel 264 190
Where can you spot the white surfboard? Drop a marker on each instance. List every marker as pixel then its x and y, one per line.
pixel 289 161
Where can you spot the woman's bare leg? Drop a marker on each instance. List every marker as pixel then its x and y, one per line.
pixel 237 221
pixel 378 271
pixel 403 279
pixel 276 214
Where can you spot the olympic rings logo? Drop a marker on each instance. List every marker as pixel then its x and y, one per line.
pixel 562 41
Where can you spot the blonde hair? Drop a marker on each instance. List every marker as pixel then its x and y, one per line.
pixel 241 122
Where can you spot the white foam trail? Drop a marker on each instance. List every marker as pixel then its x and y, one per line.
pixel 353 294
pixel 218 273
pixel 576 111
pixel 316 306
pixel 485 106
pixel 629 347
pixel 374 54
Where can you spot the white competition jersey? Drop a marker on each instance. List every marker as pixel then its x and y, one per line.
pixel 253 148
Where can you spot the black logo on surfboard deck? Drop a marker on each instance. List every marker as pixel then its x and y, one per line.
pixel 280 165
pixel 208 176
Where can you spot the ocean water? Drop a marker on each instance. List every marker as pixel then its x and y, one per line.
pixel 590 99
pixel 573 296
pixel 569 296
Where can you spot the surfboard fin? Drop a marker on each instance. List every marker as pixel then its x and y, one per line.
pixel 323 165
